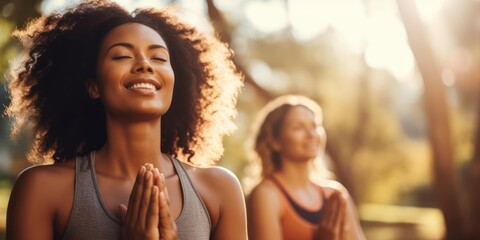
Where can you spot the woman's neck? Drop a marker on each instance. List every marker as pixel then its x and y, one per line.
pixel 295 174
pixel 129 146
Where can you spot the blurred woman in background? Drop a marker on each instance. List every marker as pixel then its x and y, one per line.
pixel 287 203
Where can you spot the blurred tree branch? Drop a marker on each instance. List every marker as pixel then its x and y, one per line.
pixel 224 31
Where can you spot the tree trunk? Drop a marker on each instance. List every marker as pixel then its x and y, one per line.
pixel 341 171
pixel 445 175
pixel 473 183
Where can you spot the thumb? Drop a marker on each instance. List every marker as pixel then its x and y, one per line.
pixel 123 211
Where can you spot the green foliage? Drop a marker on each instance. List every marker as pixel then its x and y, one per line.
pixel 7 47
pixel 5 188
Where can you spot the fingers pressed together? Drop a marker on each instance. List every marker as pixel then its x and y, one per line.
pixel 148 213
pixel 334 212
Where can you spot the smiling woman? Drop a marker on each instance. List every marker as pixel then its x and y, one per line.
pixel 287 203
pixel 142 83
pixel 115 98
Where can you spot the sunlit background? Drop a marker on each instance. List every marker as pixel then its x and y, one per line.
pixel 369 69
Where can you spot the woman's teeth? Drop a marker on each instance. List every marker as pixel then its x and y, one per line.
pixel 143 86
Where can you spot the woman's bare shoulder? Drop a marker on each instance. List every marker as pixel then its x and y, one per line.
pixel 265 187
pixel 47 172
pixel 39 192
pixel 43 179
pixel 264 202
pixel 215 176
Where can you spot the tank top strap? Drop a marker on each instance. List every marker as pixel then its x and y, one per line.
pixel 311 216
pixel 194 220
pixel 89 219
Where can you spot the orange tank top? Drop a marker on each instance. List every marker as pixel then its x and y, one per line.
pixel 297 222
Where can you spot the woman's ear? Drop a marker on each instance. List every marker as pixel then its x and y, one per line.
pixel 92 89
pixel 274 144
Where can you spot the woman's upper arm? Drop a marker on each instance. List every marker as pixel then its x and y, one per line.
pixel 30 215
pixel 232 223
pixel 355 230
pixel 264 211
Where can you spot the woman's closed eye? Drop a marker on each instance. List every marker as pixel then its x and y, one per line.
pixel 162 59
pixel 159 56
pixel 296 127
pixel 121 57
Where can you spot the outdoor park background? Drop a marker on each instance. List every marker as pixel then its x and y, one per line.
pixel 398 81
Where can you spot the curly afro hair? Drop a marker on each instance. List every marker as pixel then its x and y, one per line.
pixel 48 85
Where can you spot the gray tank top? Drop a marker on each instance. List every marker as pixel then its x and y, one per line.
pixel 90 219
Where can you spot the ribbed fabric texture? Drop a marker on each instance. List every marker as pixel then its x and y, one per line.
pixel 194 221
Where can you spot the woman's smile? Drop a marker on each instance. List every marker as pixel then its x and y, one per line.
pixel 134 72
pixel 143 86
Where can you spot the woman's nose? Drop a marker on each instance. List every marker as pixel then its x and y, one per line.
pixel 143 65
pixel 313 132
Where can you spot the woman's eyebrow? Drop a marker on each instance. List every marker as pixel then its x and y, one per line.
pixel 127 45
pixel 155 46
pixel 130 46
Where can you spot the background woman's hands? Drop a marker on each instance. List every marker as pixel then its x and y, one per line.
pixel 148 214
pixel 330 226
